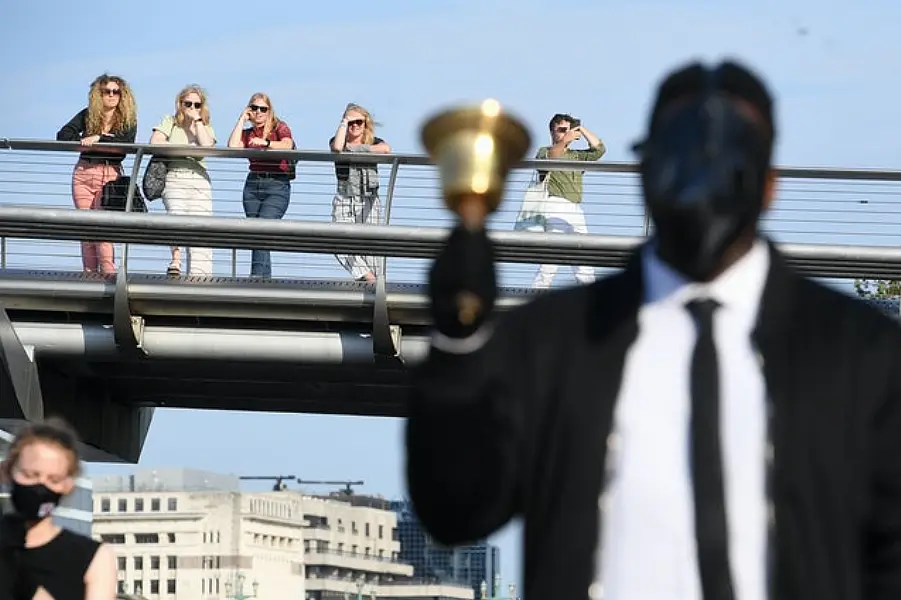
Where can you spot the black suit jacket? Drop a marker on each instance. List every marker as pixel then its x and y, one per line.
pixel 519 429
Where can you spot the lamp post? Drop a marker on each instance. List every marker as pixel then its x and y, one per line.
pixel 239 589
pixel 496 591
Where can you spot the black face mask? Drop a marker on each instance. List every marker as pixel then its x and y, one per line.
pixel 704 173
pixel 33 502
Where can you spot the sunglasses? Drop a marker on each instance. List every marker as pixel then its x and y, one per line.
pixel 112 92
pixel 356 123
pixel 256 108
pixel 187 104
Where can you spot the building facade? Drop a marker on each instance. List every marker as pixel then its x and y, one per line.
pixel 183 534
pixel 475 566
pixel 191 534
pixel 74 512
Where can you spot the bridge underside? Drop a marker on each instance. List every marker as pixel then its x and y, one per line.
pixel 215 343
pixel 203 343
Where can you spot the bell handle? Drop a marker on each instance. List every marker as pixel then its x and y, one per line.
pixel 472 211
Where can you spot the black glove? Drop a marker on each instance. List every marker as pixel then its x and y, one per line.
pixel 463 271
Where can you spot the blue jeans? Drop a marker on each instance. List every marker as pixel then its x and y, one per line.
pixel 265 197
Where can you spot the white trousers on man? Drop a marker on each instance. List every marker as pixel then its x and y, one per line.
pixel 561 216
pixel 188 192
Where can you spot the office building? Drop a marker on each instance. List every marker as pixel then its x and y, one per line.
pixel 470 565
pixel 195 535
pixel 75 511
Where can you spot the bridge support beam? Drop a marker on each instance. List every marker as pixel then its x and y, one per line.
pixel 20 387
pixel 385 337
pixel 113 428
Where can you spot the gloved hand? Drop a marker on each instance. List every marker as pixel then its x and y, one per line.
pixel 465 266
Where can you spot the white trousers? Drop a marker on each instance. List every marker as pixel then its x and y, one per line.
pixel 562 216
pixel 188 192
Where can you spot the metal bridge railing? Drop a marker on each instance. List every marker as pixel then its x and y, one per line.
pixel 835 222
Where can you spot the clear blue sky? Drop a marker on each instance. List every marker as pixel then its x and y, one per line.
pixel 832 65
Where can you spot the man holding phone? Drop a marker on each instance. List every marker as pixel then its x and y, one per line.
pixel 563 212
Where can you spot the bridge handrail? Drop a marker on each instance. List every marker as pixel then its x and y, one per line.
pixel 170 150
pixel 393 240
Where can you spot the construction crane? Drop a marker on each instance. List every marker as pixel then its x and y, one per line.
pixel 280 485
pixel 348 485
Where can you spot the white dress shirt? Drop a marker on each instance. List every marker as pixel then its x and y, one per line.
pixel 647 547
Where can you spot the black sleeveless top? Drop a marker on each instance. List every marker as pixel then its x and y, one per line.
pixel 59 566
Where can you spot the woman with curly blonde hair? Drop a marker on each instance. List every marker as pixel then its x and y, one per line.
pixel 110 117
pixel 357 196
pixel 188 190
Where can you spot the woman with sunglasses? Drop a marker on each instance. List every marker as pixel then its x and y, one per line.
pixel 357 195
pixel 188 190
pixel 267 189
pixel 110 117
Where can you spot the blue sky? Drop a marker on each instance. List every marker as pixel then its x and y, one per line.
pixel 832 65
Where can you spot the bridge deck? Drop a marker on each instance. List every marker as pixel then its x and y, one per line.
pixel 223 297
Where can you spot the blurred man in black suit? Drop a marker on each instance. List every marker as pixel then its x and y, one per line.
pixel 705 424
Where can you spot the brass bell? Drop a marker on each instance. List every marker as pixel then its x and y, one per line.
pixel 474 148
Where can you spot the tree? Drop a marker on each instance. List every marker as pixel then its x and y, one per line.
pixel 877 289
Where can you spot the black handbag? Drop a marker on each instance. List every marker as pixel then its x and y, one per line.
pixel 154 181
pixel 115 193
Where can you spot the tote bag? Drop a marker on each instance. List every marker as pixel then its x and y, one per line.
pixel 532 212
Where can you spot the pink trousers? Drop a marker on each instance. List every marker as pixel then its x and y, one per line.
pixel 88 180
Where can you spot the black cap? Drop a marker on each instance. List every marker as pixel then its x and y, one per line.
pixel 728 76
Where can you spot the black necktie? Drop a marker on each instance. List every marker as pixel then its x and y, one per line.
pixel 711 530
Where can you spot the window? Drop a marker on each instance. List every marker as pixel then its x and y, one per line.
pixel 113 538
pixel 366 530
pixel 147 538
pixel 138 587
pixel 154 506
pixel 353 527
pixel 170 586
pixel 154 586
pixel 381 532
pixel 139 563
pixel 120 563
pixel 172 504
pixel 104 505
pixel 123 505
pixel 171 537
pixel 154 564
pixel 120 587
pixel 139 505
pixel 171 562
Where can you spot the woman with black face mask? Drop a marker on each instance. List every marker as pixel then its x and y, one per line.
pixel 50 562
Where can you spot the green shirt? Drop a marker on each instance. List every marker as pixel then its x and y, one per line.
pixel 568 184
pixel 177 136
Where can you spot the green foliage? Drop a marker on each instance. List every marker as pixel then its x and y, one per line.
pixel 877 289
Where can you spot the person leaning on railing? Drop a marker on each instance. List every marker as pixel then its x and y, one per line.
pixel 51 563
pixel 357 196
pixel 188 190
pixel 267 189
pixel 111 116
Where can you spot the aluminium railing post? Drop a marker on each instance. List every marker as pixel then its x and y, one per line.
pixel 2 252
pixel 389 201
pixel 129 204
